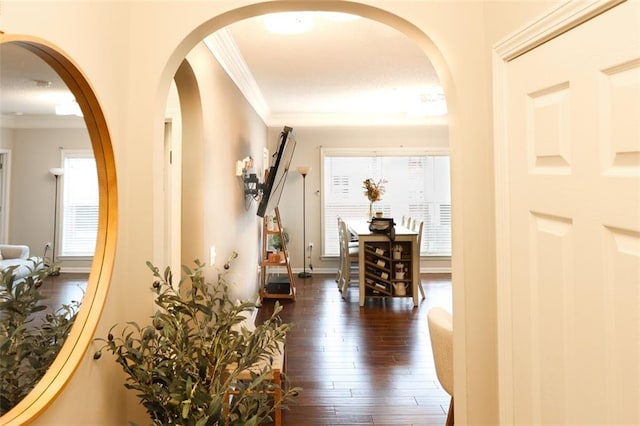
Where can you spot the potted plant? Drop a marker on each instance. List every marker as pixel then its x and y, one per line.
pixel 276 242
pixel 183 363
pixel 31 333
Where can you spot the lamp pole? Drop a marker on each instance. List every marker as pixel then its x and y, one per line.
pixel 304 171
pixel 56 172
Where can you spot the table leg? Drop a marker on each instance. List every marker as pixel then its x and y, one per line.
pixel 361 270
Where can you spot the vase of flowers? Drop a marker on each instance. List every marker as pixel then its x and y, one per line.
pixel 373 191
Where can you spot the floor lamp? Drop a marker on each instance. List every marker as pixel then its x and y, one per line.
pixel 56 172
pixel 304 171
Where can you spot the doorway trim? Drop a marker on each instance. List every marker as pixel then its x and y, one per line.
pixel 5 194
pixel 486 395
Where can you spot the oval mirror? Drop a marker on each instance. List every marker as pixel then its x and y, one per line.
pixel 53 134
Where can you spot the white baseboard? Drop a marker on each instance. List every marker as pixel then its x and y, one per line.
pixel 75 270
pixel 436 270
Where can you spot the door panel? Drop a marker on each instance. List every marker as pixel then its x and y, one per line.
pixel 573 135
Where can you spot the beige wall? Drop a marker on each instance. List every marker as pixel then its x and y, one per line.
pixel 130 51
pixel 6 137
pixel 231 131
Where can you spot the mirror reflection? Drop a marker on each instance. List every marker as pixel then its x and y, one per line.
pixel 48 217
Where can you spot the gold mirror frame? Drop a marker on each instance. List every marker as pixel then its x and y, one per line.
pixel 81 335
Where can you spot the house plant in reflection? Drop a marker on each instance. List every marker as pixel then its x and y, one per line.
pixel 31 333
pixel 183 363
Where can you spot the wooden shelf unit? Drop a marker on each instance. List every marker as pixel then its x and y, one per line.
pixel 382 267
pixel 266 263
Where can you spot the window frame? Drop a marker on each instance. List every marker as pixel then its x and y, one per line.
pixel 65 155
pixel 365 152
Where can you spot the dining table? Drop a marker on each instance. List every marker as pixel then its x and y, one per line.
pixel 367 239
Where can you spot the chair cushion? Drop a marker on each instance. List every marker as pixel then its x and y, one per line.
pixel 441 335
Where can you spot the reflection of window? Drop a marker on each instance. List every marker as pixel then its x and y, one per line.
pixel 417 186
pixel 79 224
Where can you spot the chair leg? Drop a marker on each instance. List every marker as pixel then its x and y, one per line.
pixel 421 290
pixel 340 275
pixel 450 414
pixel 277 398
pixel 345 281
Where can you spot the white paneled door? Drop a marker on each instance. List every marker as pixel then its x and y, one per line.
pixel 568 183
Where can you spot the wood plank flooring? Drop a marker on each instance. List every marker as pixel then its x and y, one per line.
pixel 357 366
pixel 362 366
pixel 61 289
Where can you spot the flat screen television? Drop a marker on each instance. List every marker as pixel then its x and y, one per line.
pixel 277 174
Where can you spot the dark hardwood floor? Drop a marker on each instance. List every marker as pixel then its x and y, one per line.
pixel 64 288
pixel 357 366
pixel 370 365
pixel 59 290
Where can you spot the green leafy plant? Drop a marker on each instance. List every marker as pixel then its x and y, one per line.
pixel 191 354
pixel 31 334
pixel 275 241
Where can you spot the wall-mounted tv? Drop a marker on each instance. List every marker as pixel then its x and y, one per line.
pixel 277 174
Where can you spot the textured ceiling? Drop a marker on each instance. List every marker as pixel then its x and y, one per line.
pixel 28 84
pixel 339 72
pixel 355 70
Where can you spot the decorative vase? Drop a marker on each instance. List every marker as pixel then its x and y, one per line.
pixel 371 214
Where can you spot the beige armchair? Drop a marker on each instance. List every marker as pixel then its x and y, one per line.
pixel 441 334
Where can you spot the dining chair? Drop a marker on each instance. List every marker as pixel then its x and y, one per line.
pixel 409 223
pixel 341 249
pixel 352 242
pixel 349 259
pixel 441 334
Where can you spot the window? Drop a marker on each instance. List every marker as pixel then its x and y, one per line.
pixel 80 199
pixel 417 185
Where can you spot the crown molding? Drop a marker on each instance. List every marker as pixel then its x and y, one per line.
pixel 552 24
pixel 226 52
pixel 342 119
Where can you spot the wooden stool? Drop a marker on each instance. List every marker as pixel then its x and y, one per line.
pixel 277 367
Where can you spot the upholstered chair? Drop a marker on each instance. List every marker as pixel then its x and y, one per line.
pixel 441 334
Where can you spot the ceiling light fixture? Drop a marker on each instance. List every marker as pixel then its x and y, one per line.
pixel 429 104
pixel 42 83
pixel 69 107
pixel 288 22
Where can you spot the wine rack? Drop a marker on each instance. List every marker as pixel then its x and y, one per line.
pixel 387 267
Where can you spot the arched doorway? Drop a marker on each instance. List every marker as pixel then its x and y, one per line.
pixel 380 16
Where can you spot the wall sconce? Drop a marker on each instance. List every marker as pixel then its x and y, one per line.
pixel 252 185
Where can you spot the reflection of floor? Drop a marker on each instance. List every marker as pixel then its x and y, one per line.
pixel 63 289
pixel 370 365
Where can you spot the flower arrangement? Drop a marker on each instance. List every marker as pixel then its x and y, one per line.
pixel 374 190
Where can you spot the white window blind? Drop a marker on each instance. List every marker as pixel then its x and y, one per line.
pixel 418 186
pixel 79 224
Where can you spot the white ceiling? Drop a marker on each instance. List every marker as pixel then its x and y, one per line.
pixel 339 72
pixel 30 90
pixel 354 71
